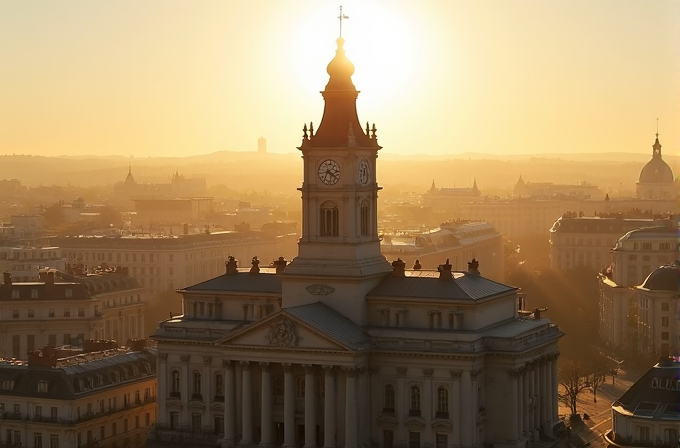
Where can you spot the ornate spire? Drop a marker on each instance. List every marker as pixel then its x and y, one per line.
pixel 656 147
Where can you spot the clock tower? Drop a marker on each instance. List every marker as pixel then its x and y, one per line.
pixel 339 258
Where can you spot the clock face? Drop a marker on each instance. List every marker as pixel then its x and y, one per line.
pixel 329 172
pixel 364 172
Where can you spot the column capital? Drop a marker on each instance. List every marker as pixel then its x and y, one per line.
pixel 456 374
pixel 163 356
pixel 401 371
pixel 309 368
pixel 245 365
pixel 207 360
pixel 185 358
pixel 329 370
pixel 474 373
pixel 351 372
pixel 428 372
pixel 228 364
pixel 374 370
pixel 264 366
pixel 287 368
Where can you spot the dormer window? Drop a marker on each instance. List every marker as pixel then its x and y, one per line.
pixel 7 384
pixel 42 386
pixel 68 292
pixel 34 293
pixel 15 294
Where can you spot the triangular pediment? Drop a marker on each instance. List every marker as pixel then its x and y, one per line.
pixel 283 331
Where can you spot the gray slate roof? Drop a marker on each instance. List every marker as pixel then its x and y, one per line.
pixel 655 395
pixel 329 322
pixel 243 281
pixel 427 285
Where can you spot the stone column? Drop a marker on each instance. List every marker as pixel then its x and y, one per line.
pixel 329 407
pixel 525 399
pixel 266 411
pixel 454 407
pixel 310 408
pixel 537 394
pixel 350 409
pixel 427 406
pixel 520 402
pixel 466 411
pixel 207 380
pixel 548 390
pixel 400 406
pixel 512 417
pixel 544 391
pixel 555 386
pixel 288 407
pixel 163 389
pixel 229 405
pixel 185 381
pixel 475 405
pixel 246 404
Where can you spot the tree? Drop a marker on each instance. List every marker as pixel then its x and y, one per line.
pixel 573 378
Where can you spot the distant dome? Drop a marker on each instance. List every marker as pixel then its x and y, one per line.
pixel 665 278
pixel 656 171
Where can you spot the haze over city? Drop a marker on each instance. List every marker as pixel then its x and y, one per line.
pixel 174 78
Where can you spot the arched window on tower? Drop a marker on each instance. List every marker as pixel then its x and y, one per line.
pixel 365 218
pixel 328 219
pixel 442 403
pixel 415 401
pixel 196 390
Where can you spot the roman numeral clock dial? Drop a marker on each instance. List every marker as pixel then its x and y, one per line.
pixel 329 172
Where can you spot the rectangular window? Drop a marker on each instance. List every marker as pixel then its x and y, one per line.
pixel 54 441
pixel 195 422
pixel 68 292
pixel 67 339
pixel 102 432
pixel 51 312
pixel 413 439
pixel 388 438
pixel 441 441
pixel 664 306
pixel 54 412
pixel 30 343
pixel 67 312
pixel 174 420
pixel 16 346
pixel 151 258
pixel 15 314
pixel 646 246
pixel 171 258
pixel 136 421
pixel 15 294
pixel 31 313
pixel 38 413
pixel 114 429
pixel 664 321
pixel 34 293
pixel 37 440
pixel 81 311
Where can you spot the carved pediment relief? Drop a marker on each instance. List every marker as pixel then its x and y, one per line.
pixel 387 421
pixel 442 425
pixel 415 423
pixel 283 333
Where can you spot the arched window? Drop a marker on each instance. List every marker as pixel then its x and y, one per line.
pixel 219 386
pixel 328 219
pixel 389 399
pixel 442 403
pixel 415 401
pixel 365 218
pixel 175 384
pixel 197 385
pixel 300 387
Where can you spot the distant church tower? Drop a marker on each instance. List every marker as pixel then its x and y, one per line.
pixel 339 203
pixel 262 145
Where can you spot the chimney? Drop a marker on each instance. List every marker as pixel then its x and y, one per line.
pixel 417 266
pixel 47 357
pixel 445 271
pixel 92 345
pixel 255 266
pixel 7 278
pixel 231 265
pixel 50 278
pixel 473 267
pixel 398 268
pixel 42 275
pixel 280 264
pixel 185 228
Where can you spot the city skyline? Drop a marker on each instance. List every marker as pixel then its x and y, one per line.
pixel 176 79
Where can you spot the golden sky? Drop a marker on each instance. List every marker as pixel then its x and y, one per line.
pixel 179 77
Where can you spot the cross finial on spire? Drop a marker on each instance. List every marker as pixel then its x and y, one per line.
pixel 657 128
pixel 341 17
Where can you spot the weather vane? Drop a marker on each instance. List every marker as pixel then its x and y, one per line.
pixel 341 17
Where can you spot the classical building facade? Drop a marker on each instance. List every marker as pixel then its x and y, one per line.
pixel 647 414
pixel 100 397
pixel 658 311
pixel 67 309
pixel 340 347
pixel 579 240
pixel 634 257
pixel 164 263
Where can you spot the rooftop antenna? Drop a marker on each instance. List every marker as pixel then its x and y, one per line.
pixel 341 17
